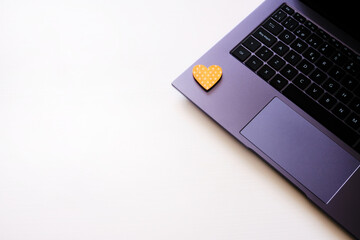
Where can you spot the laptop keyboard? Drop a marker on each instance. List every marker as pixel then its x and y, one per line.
pixel 310 67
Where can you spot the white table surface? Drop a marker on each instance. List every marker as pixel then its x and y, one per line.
pixel 96 144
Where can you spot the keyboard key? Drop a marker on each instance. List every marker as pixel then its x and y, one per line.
pixel 264 53
pixel 341 111
pixel 305 66
pixel 278 82
pixel 357 91
pixel 286 36
pixel 320 114
pixel 353 120
pixel 299 17
pixel 344 95
pixel 290 23
pixel 336 73
pixel 289 72
pixel 323 34
pixel 292 57
pixel 327 101
pixel 288 9
pixel 276 62
pixel 326 49
pixel 301 81
pixel 323 63
pixel 264 36
pixel 266 72
pixel 279 15
pixel 338 58
pixel 299 46
pixel 240 53
pixel 302 32
pixel 351 67
pixel 349 82
pixel 355 104
pixel 347 51
pixel 314 40
pixel 310 25
pixel 331 86
pixel 280 48
pixel 335 43
pixel 272 26
pixel 314 91
pixel 252 44
pixel 318 76
pixel 253 63
pixel 311 54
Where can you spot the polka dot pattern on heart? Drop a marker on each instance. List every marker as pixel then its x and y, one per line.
pixel 207 77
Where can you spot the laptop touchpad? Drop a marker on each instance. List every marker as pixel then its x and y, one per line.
pixel 301 149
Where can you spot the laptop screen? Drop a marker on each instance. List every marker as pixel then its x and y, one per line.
pixel 343 14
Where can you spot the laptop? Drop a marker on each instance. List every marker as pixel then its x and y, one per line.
pixel 287 86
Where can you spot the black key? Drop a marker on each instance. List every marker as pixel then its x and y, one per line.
pixel 253 63
pixel 289 72
pixel 305 66
pixel 326 49
pixel 353 120
pixel 338 58
pixel 331 86
pixel 266 72
pixel 279 15
pixel 301 81
pixel 357 91
pixel 278 82
pixel 336 73
pixel 276 62
pixel 352 67
pixel 287 9
pixel 265 37
pixel 240 53
pixel 327 101
pixel 314 91
pixel 264 53
pixel 323 63
pixel 311 54
pixel 273 26
pixel 355 104
pixel 292 57
pixel 252 44
pixel 344 95
pixel 299 46
pixel 299 17
pixel 310 25
pixel 323 34
pixel 347 51
pixel 318 76
pixel 320 114
pixel 286 36
pixel 280 48
pixel 314 40
pixel 290 23
pixel 349 82
pixel 341 111
pixel 302 32
pixel 335 43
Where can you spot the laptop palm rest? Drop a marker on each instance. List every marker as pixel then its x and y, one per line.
pixel 302 150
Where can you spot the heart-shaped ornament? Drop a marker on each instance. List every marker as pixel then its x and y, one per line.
pixel 207 77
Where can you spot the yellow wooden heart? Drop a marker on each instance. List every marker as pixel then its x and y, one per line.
pixel 207 77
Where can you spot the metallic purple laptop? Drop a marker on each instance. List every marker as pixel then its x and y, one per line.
pixel 290 91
